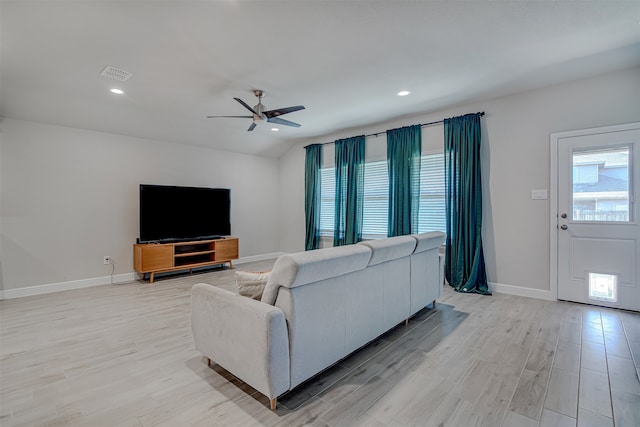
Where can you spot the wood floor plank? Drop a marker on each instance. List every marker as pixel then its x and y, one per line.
pixel 562 393
pixel 513 359
pixel 513 419
pixel 631 325
pixel 626 408
pixel 314 387
pixel 352 407
pixel 567 357
pixel 621 375
pixel 528 398
pixel 494 402
pixel 472 387
pixel 611 322
pixel 412 400
pixel 617 345
pixel 554 419
pixel 595 392
pixel 592 315
pixel 593 332
pixel 445 414
pixel 571 331
pixel 593 357
pixel 587 418
pixel 634 346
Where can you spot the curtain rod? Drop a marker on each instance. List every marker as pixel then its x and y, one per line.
pixel 380 133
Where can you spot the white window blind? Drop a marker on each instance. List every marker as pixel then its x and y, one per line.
pixel 376 198
pixel 432 194
pixel 327 201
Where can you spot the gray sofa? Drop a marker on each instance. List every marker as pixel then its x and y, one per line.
pixel 318 307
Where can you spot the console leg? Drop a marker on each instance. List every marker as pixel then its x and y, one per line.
pixel 230 265
pixel 150 278
pixel 273 403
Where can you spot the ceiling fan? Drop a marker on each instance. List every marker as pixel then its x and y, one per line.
pixel 260 113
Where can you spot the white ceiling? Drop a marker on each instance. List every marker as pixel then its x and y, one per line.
pixel 344 60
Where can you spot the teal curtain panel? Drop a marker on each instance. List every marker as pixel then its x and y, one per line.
pixel 349 157
pixel 313 163
pixel 404 147
pixel 464 259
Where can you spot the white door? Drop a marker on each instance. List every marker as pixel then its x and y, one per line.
pixel 598 231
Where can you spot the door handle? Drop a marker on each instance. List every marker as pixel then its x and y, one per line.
pixel 564 226
pixel 564 215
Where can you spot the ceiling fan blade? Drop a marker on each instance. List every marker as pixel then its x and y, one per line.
pixel 238 117
pixel 247 106
pixel 282 122
pixel 252 127
pixel 280 111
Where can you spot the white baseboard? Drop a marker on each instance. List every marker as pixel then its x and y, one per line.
pixel 128 277
pixel 521 291
pixel 262 257
pixel 104 280
pixel 65 286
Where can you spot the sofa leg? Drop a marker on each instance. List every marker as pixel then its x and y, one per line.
pixel 208 362
pixel 273 403
pixel 406 322
pixel 434 304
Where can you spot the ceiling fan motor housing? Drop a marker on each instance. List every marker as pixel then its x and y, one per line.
pixel 259 108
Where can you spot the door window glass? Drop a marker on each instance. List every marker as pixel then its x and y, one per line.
pixel 601 185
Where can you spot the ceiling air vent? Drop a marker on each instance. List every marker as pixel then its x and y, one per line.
pixel 116 74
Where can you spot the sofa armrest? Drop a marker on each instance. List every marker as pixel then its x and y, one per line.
pixel 246 337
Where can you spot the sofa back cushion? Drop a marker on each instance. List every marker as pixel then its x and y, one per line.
pixel 431 240
pixel 384 250
pixel 302 268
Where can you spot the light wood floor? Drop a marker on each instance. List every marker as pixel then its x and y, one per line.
pixel 122 355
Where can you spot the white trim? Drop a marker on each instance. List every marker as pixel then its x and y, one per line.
pixel 520 291
pixel 262 257
pixel 104 280
pixel 553 193
pixel 553 215
pixel 65 286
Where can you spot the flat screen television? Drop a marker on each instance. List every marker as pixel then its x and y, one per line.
pixel 173 214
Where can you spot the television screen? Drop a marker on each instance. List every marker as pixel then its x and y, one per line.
pixel 170 213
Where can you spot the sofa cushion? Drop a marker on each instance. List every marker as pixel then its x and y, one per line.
pixel 251 284
pixel 384 250
pixel 312 266
pixel 429 240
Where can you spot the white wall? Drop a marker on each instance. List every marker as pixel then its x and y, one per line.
pixel 70 196
pixel 515 160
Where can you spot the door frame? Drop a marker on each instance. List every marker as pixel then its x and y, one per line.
pixel 553 192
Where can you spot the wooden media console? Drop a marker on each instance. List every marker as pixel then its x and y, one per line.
pixel 164 257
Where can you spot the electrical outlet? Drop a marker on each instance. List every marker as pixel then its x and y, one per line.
pixel 106 260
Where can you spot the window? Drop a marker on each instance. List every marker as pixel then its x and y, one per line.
pixel 327 201
pixel 601 185
pixel 432 194
pixel 376 198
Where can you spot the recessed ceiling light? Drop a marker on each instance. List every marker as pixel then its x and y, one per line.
pixel 274 129
pixel 403 93
pixel 117 91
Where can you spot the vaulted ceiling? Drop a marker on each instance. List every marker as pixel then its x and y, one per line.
pixel 344 61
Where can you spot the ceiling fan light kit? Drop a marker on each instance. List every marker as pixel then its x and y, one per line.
pixel 260 113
